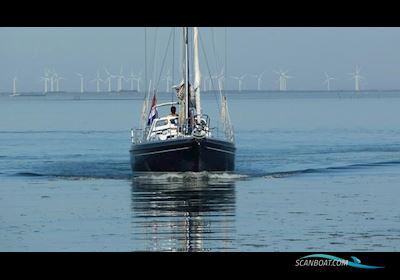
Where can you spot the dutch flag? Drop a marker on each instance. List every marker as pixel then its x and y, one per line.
pixel 153 111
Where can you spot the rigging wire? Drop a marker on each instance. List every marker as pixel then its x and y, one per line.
pixel 226 58
pixel 208 68
pixel 145 75
pixel 182 55
pixel 145 59
pixel 163 62
pixel 154 56
pixel 173 62
pixel 214 51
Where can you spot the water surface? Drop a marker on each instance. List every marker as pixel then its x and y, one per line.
pixel 314 172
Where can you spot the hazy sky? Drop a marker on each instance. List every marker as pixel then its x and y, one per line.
pixel 305 52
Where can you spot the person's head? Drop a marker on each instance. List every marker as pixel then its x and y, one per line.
pixel 173 110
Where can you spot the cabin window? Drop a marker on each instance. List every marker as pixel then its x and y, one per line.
pixel 161 123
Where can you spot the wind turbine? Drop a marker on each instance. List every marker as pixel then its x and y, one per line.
pixel 46 79
pixel 109 79
pixel 131 78
pixel 51 80
pixel 82 79
pixel 57 81
pixel 240 81
pixel 97 80
pixel 283 79
pixel 356 76
pixel 14 86
pixel 205 80
pixel 220 80
pixel 138 78
pixel 259 80
pixel 328 80
pixel 120 77
pixel 286 77
pixel 219 77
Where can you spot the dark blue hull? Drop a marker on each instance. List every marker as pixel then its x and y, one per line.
pixel 184 154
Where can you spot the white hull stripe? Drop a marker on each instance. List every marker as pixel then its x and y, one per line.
pixel 219 150
pixel 164 151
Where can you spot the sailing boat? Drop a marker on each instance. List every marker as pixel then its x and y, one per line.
pixel 183 142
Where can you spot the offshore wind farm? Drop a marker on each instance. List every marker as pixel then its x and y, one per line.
pixel 300 67
pixel 119 83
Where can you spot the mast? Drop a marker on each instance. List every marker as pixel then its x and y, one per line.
pixel 197 76
pixel 186 82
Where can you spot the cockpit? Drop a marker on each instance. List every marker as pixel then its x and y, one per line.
pixel 164 128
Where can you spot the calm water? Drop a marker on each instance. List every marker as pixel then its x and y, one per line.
pixel 313 173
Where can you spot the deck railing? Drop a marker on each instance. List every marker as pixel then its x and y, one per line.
pixel 139 135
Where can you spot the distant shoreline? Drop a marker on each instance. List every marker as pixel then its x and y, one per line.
pixel 136 93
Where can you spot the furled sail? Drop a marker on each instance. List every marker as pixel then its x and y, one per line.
pixel 194 89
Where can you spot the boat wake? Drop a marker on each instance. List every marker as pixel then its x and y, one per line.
pixel 76 170
pixel 283 174
pixel 28 174
pixel 187 176
pixel 122 171
pixel 156 177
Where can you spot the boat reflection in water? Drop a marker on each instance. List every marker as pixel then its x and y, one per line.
pixel 183 211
